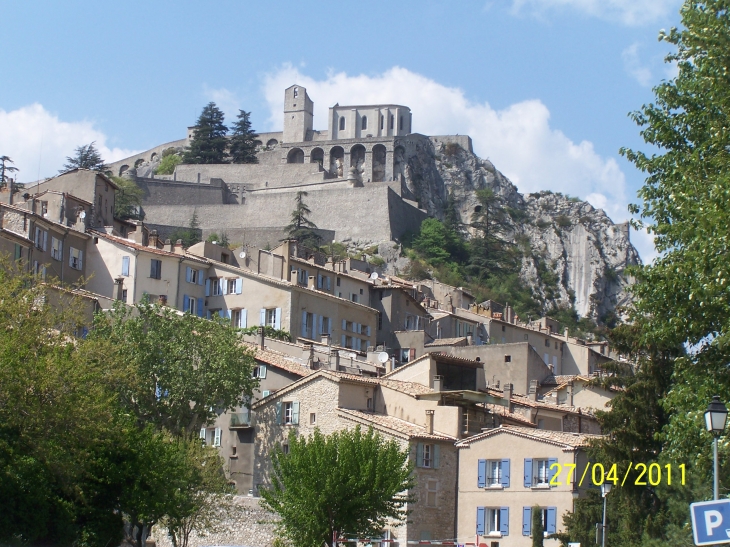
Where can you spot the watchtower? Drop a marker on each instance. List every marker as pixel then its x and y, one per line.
pixel 298 115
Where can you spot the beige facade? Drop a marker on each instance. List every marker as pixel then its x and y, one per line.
pixel 505 472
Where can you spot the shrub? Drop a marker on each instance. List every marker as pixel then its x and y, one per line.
pixel 452 149
pixel 563 221
pixel 168 164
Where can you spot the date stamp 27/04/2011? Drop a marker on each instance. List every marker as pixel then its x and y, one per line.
pixel 596 474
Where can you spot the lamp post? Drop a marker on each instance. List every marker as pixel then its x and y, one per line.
pixel 715 419
pixel 605 489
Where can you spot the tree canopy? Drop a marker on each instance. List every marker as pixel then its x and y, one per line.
pixel 300 228
pixel 86 157
pixel 128 199
pixel 348 483
pixel 242 146
pixel 209 141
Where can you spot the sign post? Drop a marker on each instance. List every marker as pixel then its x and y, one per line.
pixel 711 522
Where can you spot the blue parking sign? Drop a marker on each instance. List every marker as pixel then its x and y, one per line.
pixel 711 522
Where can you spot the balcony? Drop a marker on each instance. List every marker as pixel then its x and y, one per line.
pixel 240 420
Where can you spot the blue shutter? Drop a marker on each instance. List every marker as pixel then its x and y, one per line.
pixel 528 472
pixel 207 287
pixel 239 285
pixel 368 330
pixel 277 324
pixel 552 470
pixel 481 513
pixel 295 412
pixel 228 314
pixel 419 455
pixel 320 325
pixel 436 456
pixel 201 275
pixel 125 265
pixel 526 520
pixel 304 323
pixel 186 302
pixel 278 413
pixel 344 324
pixel 188 273
pixel 315 332
pixel 200 307
pixel 262 319
pixel 482 474
pixel 505 473
pixel 342 341
pixel 551 514
pixel 504 521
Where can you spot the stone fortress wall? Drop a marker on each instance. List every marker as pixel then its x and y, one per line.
pixel 355 173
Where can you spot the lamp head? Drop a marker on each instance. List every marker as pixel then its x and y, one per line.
pixel 605 488
pixel 716 416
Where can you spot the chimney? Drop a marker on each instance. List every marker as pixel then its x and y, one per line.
pixel 337 359
pixel 179 247
pixel 438 383
pixel 162 300
pixel 470 339
pixel 507 391
pixel 326 339
pixel 533 390
pixel 152 240
pixel 429 421
pixel 566 334
pixel 570 394
pixel 294 277
pixel 262 338
pixel 119 282
pixel 312 282
pixel 168 246
pixel 308 354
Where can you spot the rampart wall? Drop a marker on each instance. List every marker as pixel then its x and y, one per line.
pixel 262 174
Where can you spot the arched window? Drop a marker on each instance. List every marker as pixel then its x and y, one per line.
pixel 382 122
pixel 392 121
pixel 296 92
pixel 364 122
pixel 342 124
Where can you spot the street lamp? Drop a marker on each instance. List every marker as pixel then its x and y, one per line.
pixel 715 419
pixel 605 489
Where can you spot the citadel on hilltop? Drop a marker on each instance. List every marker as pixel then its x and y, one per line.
pixel 358 174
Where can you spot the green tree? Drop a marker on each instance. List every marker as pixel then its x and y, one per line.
pixel 190 235
pixel 348 483
pixel 489 251
pixel 221 239
pixel 5 169
pixel 128 199
pixel 300 228
pixel 86 157
pixel 168 164
pixel 209 141
pixel 685 203
pixel 438 243
pixel 178 370
pixel 242 147
pixel 538 530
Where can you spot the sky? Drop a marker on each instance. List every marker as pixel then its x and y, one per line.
pixel 543 87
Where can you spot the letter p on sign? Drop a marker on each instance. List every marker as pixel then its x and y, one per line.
pixel 711 522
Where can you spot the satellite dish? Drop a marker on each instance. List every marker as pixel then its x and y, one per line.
pixel 351 356
pixel 374 275
pixel 83 214
pixel 242 254
pixel 383 357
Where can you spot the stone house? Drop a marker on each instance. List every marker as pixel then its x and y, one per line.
pixel 333 401
pixel 577 391
pixel 403 322
pixel 505 472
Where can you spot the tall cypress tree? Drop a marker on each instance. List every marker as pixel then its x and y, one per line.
pixel 209 140
pixel 242 147
pixel 300 228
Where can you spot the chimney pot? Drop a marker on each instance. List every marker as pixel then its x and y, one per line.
pixel 429 421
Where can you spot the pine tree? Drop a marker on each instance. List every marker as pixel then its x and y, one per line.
pixel 301 229
pixel 538 530
pixel 242 147
pixel 5 169
pixel 87 157
pixel 209 139
pixel 490 253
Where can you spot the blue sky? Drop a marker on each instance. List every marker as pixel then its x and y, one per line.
pixel 542 86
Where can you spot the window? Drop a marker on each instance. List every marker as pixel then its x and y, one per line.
pixel 125 265
pixel 75 258
pixel 503 328
pixel 431 490
pixel 361 291
pixel 370 403
pixel 338 281
pixel 41 239
pixel 224 258
pixel 238 318
pixel 124 295
pixel 493 473
pixel 354 297
pixel 538 472
pixel 547 343
pixel 232 283
pixel 155 268
pixel 392 121
pixel 507 358
pixel 526 337
pixel 211 436
pixel 549 515
pixel 323 282
pixel 342 123
pixel 56 249
pixel 190 305
pixel 382 121
pixel 216 288
pixel 493 521
pixel 288 412
pixel 428 455
pixel 194 276
pixel 265 393
pixel 271 317
pixel 364 122
pixel 18 252
pixel 302 277
pixel 541 472
pixel 259 371
pixel 296 92
pixel 285 448
pixel 312 418
pixel 325 325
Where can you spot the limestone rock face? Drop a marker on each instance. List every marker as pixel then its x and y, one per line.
pixel 576 254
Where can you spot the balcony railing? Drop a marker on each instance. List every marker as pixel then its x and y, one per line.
pixel 240 420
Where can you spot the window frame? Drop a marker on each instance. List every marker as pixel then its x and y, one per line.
pixel 155 268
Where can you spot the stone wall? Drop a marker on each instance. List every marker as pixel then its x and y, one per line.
pixel 263 174
pixel 167 192
pixel 245 523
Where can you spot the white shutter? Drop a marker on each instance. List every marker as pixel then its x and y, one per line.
pixel 224 286
pixel 277 320
pixel 217 437
pixel 244 319
pixel 262 320
pixel 239 285
pixel 202 433
pixel 207 287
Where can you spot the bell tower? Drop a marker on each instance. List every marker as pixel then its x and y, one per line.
pixel 298 114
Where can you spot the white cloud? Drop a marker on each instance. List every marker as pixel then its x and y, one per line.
pixel 38 142
pixel 633 65
pixel 627 12
pixel 518 139
pixel 224 99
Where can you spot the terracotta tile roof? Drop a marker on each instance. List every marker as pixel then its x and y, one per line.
pixel 569 441
pixel 392 425
pixel 504 412
pixel 522 400
pixel 445 342
pixel 410 388
pixel 279 360
pixel 139 247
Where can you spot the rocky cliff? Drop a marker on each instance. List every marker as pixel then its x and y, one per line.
pixel 574 254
